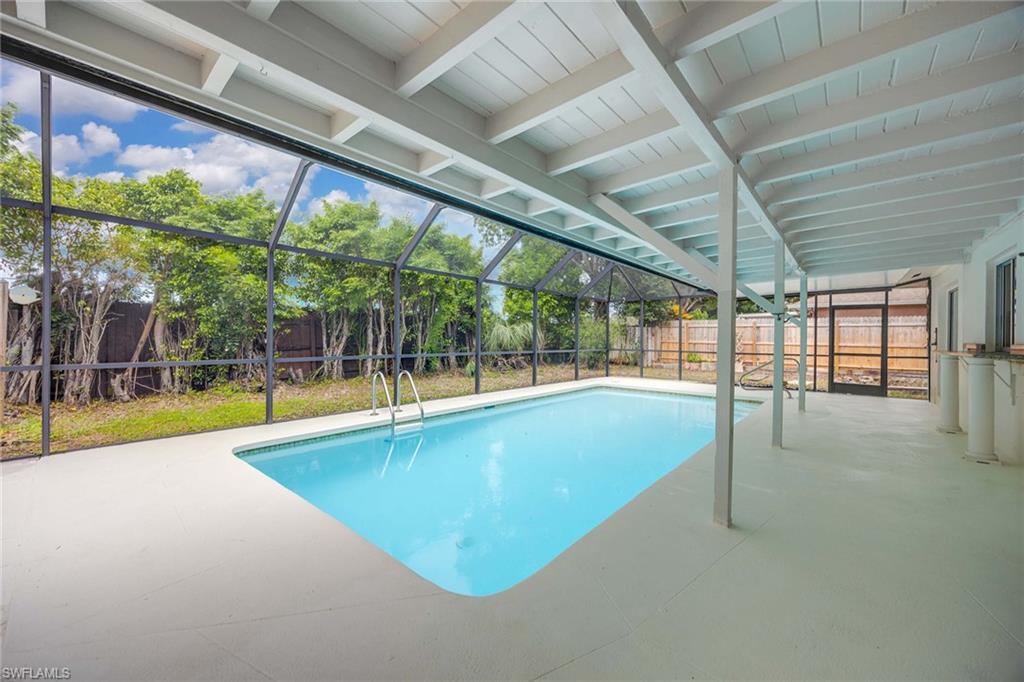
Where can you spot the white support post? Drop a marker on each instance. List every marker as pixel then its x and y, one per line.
pixel 803 342
pixel 778 353
pixel 726 348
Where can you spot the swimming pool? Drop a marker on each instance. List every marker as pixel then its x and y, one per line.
pixel 478 501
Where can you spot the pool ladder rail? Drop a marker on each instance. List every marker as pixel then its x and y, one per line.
pixel 397 426
pixel 756 387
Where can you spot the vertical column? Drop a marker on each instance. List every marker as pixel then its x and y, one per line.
pixel 476 340
pixel 576 337
pixel 726 348
pixel 536 351
pixel 981 444
pixel 949 393
pixel 642 337
pixel 396 336
pixel 779 349
pixel 803 342
pixel 679 338
pixel 46 162
pixel 608 328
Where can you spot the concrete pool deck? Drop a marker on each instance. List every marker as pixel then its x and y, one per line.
pixel 865 548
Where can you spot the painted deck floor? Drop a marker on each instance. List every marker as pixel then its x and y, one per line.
pixel 866 548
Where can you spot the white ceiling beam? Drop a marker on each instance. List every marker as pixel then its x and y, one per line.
pixel 916 232
pixel 990 152
pixel 897 255
pixel 984 195
pixel 226 28
pixel 262 9
pixel 608 143
pixel 672 196
pixel 430 162
pixel 535 207
pixel 957 216
pixel 710 237
pixel 705 25
pixel 874 196
pixel 689 160
pixel 905 139
pixel 636 38
pixel 712 22
pixel 32 11
pixel 491 188
pixel 954 240
pixel 892 100
pixel 847 55
pixel 559 97
pixel 887 263
pixel 882 245
pixel 345 126
pixel 215 70
pixel 689 214
pixel 459 37
pixel 663 245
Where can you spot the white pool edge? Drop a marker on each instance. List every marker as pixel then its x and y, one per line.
pixel 362 419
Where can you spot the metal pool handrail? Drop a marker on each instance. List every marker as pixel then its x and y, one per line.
pixel 373 396
pixel 415 393
pixel 743 376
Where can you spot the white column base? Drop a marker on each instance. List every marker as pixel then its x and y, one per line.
pixel 980 410
pixel 949 394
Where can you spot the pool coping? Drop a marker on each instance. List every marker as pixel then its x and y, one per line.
pixel 363 421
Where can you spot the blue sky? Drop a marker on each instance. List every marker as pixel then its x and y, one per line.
pixel 100 135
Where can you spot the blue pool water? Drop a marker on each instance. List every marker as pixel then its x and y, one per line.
pixel 479 501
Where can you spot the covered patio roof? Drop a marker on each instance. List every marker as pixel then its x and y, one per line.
pixel 871 136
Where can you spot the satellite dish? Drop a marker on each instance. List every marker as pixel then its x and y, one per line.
pixel 23 294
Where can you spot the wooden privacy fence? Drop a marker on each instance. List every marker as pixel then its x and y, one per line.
pixel 755 338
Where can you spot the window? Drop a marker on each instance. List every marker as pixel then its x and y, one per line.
pixel 953 320
pixel 1006 286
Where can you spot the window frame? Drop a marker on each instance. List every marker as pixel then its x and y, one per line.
pixel 1005 302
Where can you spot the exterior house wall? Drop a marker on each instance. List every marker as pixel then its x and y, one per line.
pixel 975 282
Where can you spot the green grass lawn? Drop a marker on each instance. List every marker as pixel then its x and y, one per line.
pixel 154 416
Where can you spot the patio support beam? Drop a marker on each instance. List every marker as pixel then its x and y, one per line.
pixel 275 237
pixel 608 326
pixel 628 24
pixel 641 338
pixel 700 28
pixel 536 352
pixel 455 40
pixel 576 337
pixel 477 357
pixel 660 242
pixel 803 342
pixel 679 337
pixel 779 350
pixel 725 358
pixel 46 163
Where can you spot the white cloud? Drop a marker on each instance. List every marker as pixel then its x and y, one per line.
pixel 190 127
pixel 224 164
pixel 21 86
pixel 99 139
pixel 68 150
pixel 316 204
pixel 395 203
